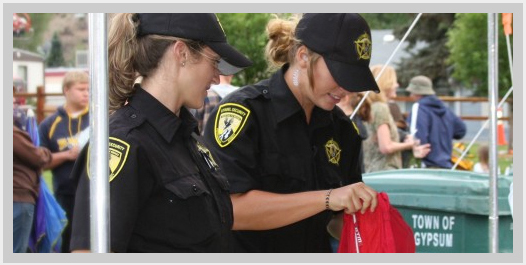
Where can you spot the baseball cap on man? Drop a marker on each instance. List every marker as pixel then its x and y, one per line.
pixel 420 85
pixel 196 26
pixel 344 41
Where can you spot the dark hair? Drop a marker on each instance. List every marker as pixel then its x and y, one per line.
pixel 130 56
pixel 365 110
pixel 483 153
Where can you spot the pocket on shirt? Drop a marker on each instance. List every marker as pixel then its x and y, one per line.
pixel 188 186
pixel 190 212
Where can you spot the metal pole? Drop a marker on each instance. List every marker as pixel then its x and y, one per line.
pixel 98 166
pixel 492 98
pixel 510 60
pixel 387 62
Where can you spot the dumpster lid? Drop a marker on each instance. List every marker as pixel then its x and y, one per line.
pixel 440 189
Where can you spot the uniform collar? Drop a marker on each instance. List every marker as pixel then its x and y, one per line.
pixel 161 118
pixel 285 103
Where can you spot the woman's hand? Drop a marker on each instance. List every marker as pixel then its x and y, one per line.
pixel 353 198
pixel 409 139
pixel 421 151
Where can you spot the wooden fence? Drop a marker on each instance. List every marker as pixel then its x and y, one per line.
pixel 42 110
pixel 461 99
pixel 40 96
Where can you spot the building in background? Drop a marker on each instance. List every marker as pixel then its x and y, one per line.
pixel 28 71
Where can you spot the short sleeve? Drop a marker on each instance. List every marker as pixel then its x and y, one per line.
pixel 380 114
pixel 124 158
pixel 235 149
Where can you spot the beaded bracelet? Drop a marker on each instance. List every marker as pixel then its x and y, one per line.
pixel 327 196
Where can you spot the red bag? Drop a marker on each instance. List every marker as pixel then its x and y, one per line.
pixel 381 231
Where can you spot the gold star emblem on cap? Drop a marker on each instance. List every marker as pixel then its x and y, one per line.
pixel 363 46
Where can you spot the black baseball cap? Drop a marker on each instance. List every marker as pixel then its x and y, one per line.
pixel 196 26
pixel 344 41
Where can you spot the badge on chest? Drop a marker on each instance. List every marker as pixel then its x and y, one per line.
pixel 333 151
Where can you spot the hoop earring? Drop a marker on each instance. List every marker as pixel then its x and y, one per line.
pixel 295 76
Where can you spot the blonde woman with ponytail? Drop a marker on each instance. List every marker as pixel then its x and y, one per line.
pixel 383 147
pixel 167 192
pixel 290 156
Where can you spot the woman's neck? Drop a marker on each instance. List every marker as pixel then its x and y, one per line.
pixel 306 104
pixel 163 92
pixel 347 109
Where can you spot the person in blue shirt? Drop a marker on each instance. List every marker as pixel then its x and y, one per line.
pixel 59 133
pixel 435 123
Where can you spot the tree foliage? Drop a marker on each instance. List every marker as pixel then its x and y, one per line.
pixel 385 20
pixel 468 43
pixel 56 56
pixel 430 60
pixel 246 32
pixel 33 40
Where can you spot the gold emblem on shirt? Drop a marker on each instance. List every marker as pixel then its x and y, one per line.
pixel 207 156
pixel 363 46
pixel 230 119
pixel 118 153
pixel 332 149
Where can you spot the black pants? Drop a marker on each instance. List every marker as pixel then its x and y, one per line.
pixel 67 202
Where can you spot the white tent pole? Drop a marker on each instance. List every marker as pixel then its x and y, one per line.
pixel 98 157
pixel 387 62
pixel 492 98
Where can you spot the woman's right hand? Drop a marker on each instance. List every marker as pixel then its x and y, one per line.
pixel 421 151
pixel 353 198
pixel 409 139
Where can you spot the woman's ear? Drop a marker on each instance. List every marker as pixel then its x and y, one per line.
pixel 180 51
pixel 302 57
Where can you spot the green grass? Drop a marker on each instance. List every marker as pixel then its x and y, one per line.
pixel 504 159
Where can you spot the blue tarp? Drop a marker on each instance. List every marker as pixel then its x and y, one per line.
pixel 50 219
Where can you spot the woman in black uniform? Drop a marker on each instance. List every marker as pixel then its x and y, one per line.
pixel 167 193
pixel 290 156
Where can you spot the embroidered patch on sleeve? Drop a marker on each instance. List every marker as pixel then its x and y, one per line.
pixel 230 119
pixel 118 154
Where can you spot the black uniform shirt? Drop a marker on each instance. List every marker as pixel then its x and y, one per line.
pixel 264 143
pixel 167 194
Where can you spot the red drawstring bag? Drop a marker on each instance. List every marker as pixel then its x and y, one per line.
pixel 381 231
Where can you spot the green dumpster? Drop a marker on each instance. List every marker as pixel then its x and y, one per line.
pixel 448 210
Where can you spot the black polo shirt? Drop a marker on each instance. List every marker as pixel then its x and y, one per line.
pixel 167 193
pixel 263 141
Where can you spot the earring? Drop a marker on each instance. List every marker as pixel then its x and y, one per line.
pixel 295 76
pixel 183 63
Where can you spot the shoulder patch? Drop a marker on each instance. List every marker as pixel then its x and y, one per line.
pixel 118 154
pixel 230 119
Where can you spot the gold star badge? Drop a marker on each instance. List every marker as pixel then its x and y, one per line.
pixel 363 47
pixel 332 149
